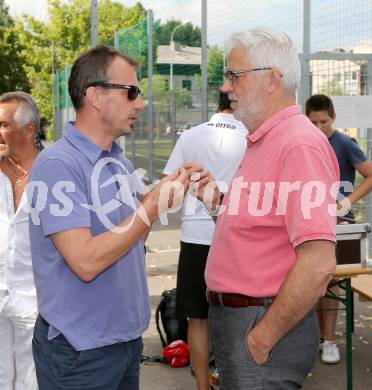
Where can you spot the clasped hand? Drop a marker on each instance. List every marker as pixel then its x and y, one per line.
pixel 169 192
pixel 202 185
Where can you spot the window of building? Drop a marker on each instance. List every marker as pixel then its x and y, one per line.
pixel 186 84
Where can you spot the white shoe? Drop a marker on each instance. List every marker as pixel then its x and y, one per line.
pixel 330 353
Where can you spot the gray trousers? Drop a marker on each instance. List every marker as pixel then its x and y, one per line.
pixel 288 364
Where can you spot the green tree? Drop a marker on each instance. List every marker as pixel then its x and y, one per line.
pixel 12 64
pixel 332 88
pixel 67 31
pixel 5 19
pixel 215 66
pixel 12 72
pixel 215 72
pixel 161 93
pixel 115 17
pixel 134 42
pixel 187 34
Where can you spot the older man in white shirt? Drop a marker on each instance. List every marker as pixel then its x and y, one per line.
pixel 19 146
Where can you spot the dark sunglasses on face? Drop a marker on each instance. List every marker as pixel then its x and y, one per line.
pixel 133 91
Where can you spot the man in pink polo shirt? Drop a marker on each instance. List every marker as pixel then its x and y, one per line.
pixel 273 250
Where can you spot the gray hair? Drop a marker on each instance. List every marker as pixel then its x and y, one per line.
pixel 26 112
pixel 270 47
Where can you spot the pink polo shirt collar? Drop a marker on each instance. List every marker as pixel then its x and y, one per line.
pixel 273 121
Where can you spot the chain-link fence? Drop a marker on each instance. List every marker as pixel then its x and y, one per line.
pixel 333 37
pixel 346 77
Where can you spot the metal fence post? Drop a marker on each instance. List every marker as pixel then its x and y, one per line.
pixel 56 107
pixel 94 23
pixel 369 151
pixel 150 122
pixel 304 88
pixel 204 64
pixel 306 9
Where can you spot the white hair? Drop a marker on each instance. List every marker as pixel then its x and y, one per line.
pixel 27 111
pixel 270 47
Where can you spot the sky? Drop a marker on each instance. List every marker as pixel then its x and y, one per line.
pixel 334 23
pixel 222 20
pixel 38 8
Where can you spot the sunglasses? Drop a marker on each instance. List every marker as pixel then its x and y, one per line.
pixel 133 91
pixel 232 75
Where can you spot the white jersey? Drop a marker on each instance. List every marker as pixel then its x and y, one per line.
pixel 218 145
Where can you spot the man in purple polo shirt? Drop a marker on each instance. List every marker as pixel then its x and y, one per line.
pixel 88 217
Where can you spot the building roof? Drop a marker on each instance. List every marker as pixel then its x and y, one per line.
pixel 182 55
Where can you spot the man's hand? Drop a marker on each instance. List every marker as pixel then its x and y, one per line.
pixel 257 348
pixel 168 194
pixel 203 186
pixel 316 262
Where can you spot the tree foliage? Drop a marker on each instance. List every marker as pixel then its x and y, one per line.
pixel 162 96
pixel 332 88
pixel 5 19
pixel 187 34
pixel 12 73
pixel 215 66
pixel 58 42
pixel 32 49
pixel 215 72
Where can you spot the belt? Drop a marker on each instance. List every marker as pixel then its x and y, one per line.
pixel 215 298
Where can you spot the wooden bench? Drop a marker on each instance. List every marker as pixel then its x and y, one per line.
pixel 363 286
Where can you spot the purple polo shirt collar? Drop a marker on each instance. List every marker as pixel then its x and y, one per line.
pixel 273 122
pixel 86 146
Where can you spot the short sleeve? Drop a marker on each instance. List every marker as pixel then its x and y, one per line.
pixel 58 197
pixel 176 158
pixel 355 153
pixel 308 216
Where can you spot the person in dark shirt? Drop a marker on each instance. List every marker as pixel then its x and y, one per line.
pixel 351 158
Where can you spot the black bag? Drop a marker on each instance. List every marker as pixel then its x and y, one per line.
pixel 175 328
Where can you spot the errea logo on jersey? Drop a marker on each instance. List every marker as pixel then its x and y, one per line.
pixel 222 125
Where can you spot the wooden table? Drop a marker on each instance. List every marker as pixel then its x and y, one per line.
pixel 363 286
pixel 343 278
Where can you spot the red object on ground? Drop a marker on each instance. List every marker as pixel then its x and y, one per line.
pixel 177 354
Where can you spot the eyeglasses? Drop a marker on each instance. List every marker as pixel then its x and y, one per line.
pixel 133 91
pixel 232 75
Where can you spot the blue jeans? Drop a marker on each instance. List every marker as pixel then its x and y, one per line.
pixel 288 364
pixel 59 366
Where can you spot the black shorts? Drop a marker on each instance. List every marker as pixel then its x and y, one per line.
pixel 190 298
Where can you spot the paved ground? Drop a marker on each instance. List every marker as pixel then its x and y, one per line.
pixel 162 267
